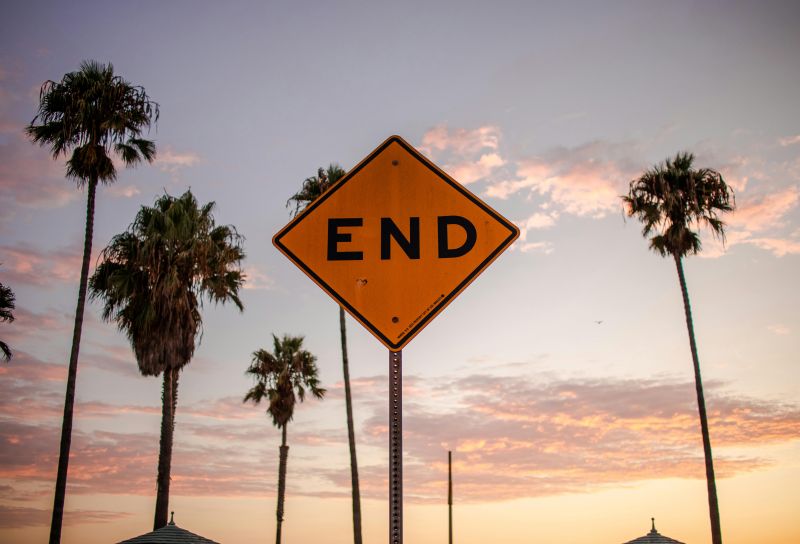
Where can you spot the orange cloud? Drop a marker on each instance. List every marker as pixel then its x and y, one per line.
pixel 512 438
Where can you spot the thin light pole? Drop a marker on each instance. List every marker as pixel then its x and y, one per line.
pixel 450 496
pixel 395 447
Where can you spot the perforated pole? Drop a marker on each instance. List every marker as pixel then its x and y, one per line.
pixel 395 447
pixel 450 497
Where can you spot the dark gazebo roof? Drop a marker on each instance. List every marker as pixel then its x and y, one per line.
pixel 169 534
pixel 654 537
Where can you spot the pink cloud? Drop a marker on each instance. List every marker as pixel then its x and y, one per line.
pixel 758 221
pixel 460 141
pixel 472 171
pixel 28 266
pixel 29 327
pixel 466 155
pixel 765 212
pixel 512 437
pixel 780 247
pixel 586 180
pixel 29 177
pixel 15 517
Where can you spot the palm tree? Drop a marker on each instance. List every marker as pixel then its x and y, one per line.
pixel 94 114
pixel 152 280
pixel 282 378
pixel 312 188
pixel 6 309
pixel 670 200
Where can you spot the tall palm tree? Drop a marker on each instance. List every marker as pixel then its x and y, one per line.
pixel 152 280
pixel 282 377
pixel 671 200
pixel 94 114
pixel 312 188
pixel 6 314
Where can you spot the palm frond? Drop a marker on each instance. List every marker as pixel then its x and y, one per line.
pixel 154 277
pixel 314 186
pixel 89 109
pixel 672 199
pixel 282 377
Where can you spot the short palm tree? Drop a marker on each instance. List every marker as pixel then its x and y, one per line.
pixel 282 378
pixel 152 280
pixel 94 114
pixel 671 200
pixel 312 188
pixel 6 314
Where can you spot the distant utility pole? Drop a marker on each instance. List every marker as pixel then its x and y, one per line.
pixel 450 496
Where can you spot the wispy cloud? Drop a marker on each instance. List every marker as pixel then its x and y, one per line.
pixel 780 329
pixel 173 162
pixel 123 191
pixel 256 279
pixel 789 140
pixel 544 246
pixel 537 221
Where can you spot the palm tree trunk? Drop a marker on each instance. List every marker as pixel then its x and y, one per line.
pixel 284 454
pixel 713 505
pixel 169 399
pixel 72 373
pixel 351 436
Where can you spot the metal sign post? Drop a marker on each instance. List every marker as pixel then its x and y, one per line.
pixel 450 497
pixel 394 242
pixel 396 447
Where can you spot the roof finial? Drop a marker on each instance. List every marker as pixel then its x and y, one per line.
pixel 654 525
pixel 172 518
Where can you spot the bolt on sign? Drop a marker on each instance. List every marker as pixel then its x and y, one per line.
pixel 395 241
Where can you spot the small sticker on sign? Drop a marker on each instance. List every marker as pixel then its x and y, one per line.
pixel 420 316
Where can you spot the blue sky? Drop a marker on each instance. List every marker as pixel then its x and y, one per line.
pixel 546 110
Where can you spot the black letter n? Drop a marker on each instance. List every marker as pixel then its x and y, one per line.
pixel 410 245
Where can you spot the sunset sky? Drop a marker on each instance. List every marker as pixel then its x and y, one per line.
pixel 561 379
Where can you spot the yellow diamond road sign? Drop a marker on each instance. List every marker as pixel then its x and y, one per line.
pixel 395 241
